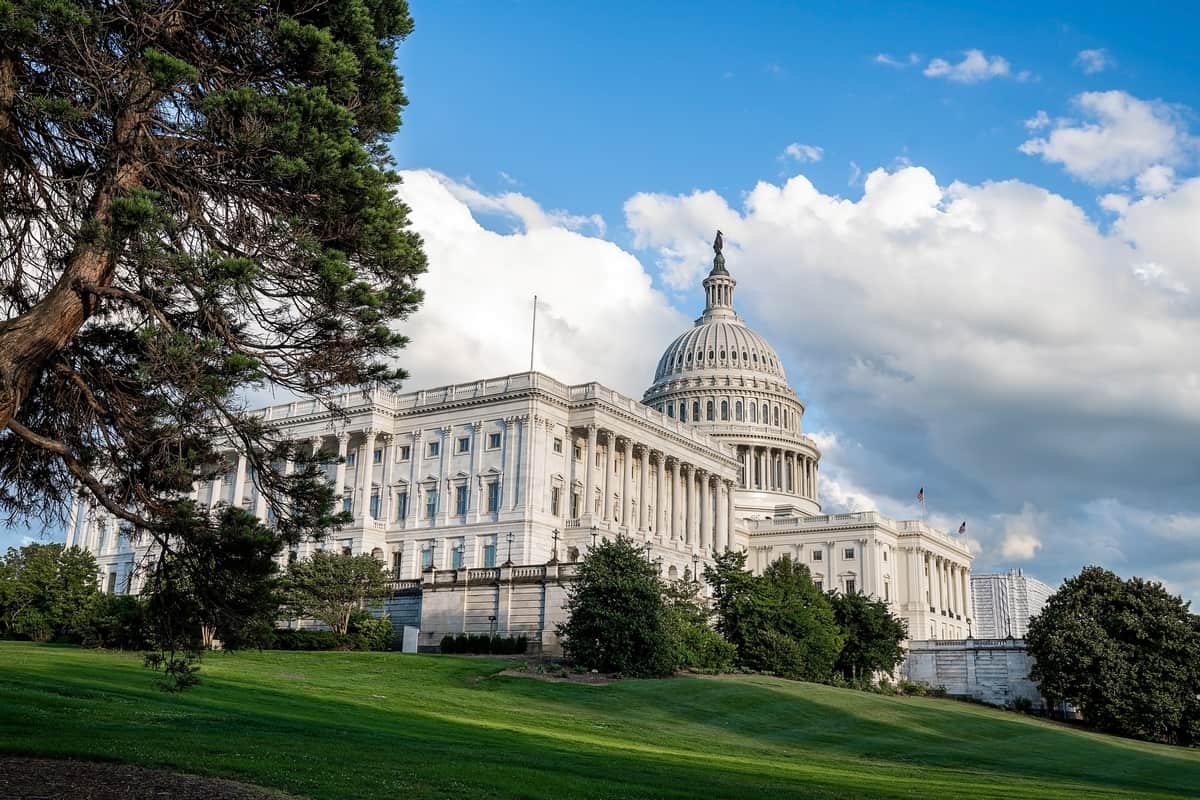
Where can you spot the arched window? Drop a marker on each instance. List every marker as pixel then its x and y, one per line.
pixel 766 418
pixel 722 355
pixel 711 356
pixel 733 354
pixel 712 416
pixel 737 411
pixel 689 358
pixel 695 411
pixel 745 357
pixel 670 411
pixel 776 416
pixel 755 357
pixel 754 412
pixel 785 420
pixel 724 410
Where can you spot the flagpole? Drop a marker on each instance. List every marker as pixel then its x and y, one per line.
pixel 533 333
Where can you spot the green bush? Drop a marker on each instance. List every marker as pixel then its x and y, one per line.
pixel 447 645
pixel 484 645
pixel 777 653
pixel 696 646
pixel 300 639
pixel 366 632
pixel 115 621
pixel 461 643
pixel 914 689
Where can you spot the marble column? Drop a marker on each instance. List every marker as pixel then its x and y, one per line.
pixel 689 506
pixel 385 481
pixel 720 541
pixel 660 500
pixel 445 496
pixel 589 473
pixel 73 520
pixel 414 478
pixel 731 516
pixel 706 537
pixel 339 479
pixel 610 460
pixel 260 499
pixel 239 482
pixel 675 526
pixel 366 466
pixel 627 486
pixel 644 492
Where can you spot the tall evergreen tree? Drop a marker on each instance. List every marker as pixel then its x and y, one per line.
pixel 872 635
pixel 195 201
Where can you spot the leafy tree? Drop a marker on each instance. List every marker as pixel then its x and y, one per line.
pixel 733 596
pixel 44 588
pixel 789 602
pixel 195 201
pixel 1125 653
pixel 615 614
pixel 695 644
pixel 220 583
pixel 872 635
pixel 330 586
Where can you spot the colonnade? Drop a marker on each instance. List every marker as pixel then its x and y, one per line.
pixel 944 584
pixel 777 469
pixel 699 511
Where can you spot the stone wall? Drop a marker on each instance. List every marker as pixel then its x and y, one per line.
pixel 994 671
pixel 506 601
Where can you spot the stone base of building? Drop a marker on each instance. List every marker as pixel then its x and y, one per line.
pixel 993 671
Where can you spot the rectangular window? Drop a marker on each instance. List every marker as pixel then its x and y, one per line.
pixel 375 505
pixel 578 453
pixel 575 498
pixel 558 445
pixel 426 559
pixel 401 506
pixel 493 441
pixel 817 582
pixel 817 555
pixel 464 444
pixel 405 452
pixel 347 546
pixel 377 457
pixel 112 582
pixel 885 555
pixel 456 557
pixel 848 553
pixel 489 554
pixel 460 500
pixel 434 449
pixel 350 459
pixel 431 504
pixel 348 504
pixel 397 562
pixel 494 496
pixel 850 588
pixel 887 594
pixel 555 494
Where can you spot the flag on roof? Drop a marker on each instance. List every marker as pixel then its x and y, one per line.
pixel 921 495
pixel 963 528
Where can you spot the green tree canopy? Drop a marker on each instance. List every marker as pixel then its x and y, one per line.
pixel 1124 652
pixel 872 635
pixel 195 201
pixel 615 613
pixel 330 586
pixel 44 588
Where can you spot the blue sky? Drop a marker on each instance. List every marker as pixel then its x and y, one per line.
pixel 968 229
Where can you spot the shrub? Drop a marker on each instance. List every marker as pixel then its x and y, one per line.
pixel 299 639
pixel 698 647
pixel 462 643
pixel 115 621
pixel 448 645
pixel 366 632
pixel 777 653
pixel 913 689
pixel 1022 705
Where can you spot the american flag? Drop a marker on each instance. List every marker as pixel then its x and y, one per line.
pixel 963 528
pixel 921 495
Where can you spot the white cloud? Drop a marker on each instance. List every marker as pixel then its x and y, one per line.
pixel 974 67
pixel 1156 180
pixel 802 152
pixel 1022 534
pixel 1093 61
pixel 524 210
pixel 1038 121
pixel 509 179
pixel 898 63
pixel 1119 138
pixel 475 320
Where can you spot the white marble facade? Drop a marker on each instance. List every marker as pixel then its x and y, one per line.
pixel 524 467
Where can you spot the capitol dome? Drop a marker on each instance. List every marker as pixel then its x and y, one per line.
pixel 727 381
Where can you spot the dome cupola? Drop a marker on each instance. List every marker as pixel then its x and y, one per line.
pixel 728 381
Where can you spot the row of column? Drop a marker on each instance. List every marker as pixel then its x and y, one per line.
pixel 775 469
pixel 947 589
pixel 701 508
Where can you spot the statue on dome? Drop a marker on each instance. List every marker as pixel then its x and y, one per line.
pixel 719 242
pixel 719 257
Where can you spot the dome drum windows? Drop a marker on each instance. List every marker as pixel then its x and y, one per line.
pixel 724 410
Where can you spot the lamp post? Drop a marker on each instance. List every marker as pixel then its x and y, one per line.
pixel 554 553
pixel 432 556
pixel 594 532
pixel 510 538
pixel 647 547
pixel 696 569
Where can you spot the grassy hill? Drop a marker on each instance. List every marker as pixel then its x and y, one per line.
pixel 366 725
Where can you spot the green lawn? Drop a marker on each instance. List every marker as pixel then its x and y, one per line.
pixel 364 725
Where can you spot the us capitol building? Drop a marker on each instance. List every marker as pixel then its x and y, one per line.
pixel 480 497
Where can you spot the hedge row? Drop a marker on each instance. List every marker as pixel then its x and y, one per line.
pixel 493 645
